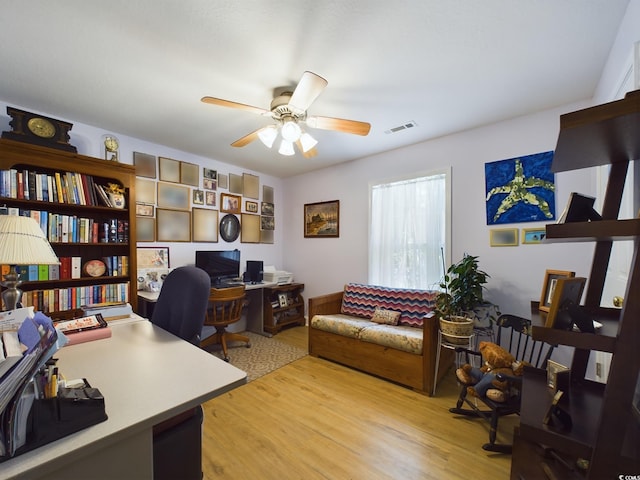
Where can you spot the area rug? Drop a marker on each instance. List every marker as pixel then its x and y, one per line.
pixel 265 355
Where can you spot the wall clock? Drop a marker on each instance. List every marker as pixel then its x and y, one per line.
pixel 38 130
pixel 111 146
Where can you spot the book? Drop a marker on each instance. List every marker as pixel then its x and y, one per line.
pixel 76 267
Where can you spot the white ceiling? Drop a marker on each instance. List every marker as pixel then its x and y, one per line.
pixel 140 67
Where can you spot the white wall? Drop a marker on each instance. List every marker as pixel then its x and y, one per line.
pixel 88 140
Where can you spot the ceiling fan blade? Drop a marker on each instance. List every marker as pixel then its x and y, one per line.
pixel 309 153
pixel 308 89
pixel 247 139
pixel 227 103
pixel 339 124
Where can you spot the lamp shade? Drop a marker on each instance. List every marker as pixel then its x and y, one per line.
pixel 22 242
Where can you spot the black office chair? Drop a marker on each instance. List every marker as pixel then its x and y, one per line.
pixel 181 309
pixel 514 335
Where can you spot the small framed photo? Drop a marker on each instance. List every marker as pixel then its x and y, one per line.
pixel 209 184
pixel 282 300
pixel 223 180
pixel 267 223
pixel 251 207
pixel 230 203
pixel 533 235
pixel 503 237
pixel 548 286
pixel 144 210
pixel 553 369
pixel 235 183
pixel 568 291
pixel 152 257
pixel 209 173
pixel 321 219
pixel 210 198
pixel 198 197
pixel 267 208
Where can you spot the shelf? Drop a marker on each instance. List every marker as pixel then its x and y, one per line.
pixel 82 280
pixel 606 230
pixel 57 206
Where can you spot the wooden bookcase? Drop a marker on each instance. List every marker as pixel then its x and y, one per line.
pixel 605 431
pixel 21 157
pixel 276 317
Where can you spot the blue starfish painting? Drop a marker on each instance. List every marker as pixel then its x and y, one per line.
pixel 520 189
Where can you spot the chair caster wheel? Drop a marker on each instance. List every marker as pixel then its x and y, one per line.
pixel 226 359
pixel 248 345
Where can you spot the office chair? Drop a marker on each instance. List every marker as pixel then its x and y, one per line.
pixel 514 335
pixel 181 308
pixel 225 308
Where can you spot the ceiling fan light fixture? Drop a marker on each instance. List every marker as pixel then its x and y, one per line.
pixel 307 142
pixel 268 135
pixel 290 130
pixel 286 148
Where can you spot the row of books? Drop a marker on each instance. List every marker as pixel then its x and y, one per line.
pixel 69 268
pixel 60 187
pixel 61 299
pixel 60 228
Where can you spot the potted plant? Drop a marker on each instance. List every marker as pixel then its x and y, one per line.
pixel 460 305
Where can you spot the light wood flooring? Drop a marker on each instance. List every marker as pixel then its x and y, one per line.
pixel 314 419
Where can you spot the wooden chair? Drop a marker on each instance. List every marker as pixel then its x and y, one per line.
pixel 225 308
pixel 514 335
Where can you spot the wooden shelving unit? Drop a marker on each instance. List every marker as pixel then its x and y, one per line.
pixel 605 430
pixel 278 317
pixel 21 156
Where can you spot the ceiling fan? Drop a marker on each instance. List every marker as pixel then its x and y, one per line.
pixel 289 109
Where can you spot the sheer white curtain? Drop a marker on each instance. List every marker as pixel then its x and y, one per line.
pixel 408 232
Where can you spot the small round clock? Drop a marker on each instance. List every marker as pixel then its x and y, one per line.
pixel 111 146
pixel 95 268
pixel 41 127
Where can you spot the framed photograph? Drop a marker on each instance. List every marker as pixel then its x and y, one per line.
pixel 533 235
pixel 174 196
pixel 250 186
pixel 198 197
pixel 566 292
pixel 145 164
pixel 173 225
pixel 169 170
pixel 553 368
pixel 223 180
pixel 145 229
pixel 266 208
pixel 144 210
pixel 235 183
pixel 205 225
pixel 267 194
pixel 267 223
pixel 249 228
pixel 266 236
pixel 548 286
pixel 282 300
pixel 189 174
pixel 210 198
pixel 230 203
pixel 153 257
pixel 209 184
pixel 209 173
pixel 322 219
pixel 503 237
pixel 145 191
pixel 251 207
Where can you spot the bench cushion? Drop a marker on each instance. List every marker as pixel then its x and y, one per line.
pixel 361 300
pixel 408 339
pixel 340 324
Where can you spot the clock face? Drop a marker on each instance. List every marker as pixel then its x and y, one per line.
pixel 95 268
pixel 41 127
pixel 111 144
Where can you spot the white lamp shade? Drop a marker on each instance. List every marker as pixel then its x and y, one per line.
pixel 286 148
pixel 307 142
pixel 22 242
pixel 290 131
pixel 268 135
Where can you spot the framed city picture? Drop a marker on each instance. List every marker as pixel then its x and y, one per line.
pixel 322 219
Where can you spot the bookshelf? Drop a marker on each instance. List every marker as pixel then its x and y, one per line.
pixel 283 306
pixel 605 435
pixel 81 228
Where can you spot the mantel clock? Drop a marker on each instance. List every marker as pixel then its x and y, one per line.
pixel 38 130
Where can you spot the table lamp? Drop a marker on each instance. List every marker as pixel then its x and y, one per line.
pixel 22 242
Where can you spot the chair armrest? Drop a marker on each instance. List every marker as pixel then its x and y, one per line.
pixel 325 304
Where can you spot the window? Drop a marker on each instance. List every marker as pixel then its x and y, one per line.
pixel 409 231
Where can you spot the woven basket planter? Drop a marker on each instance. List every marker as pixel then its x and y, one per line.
pixel 457 330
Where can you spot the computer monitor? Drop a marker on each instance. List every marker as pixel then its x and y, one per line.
pixel 221 265
pixel 254 271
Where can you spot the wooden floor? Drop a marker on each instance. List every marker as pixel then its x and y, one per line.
pixel 314 419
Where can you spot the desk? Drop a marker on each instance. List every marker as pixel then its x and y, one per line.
pixel 146 375
pixel 254 313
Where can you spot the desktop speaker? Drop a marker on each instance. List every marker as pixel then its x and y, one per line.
pixel 254 271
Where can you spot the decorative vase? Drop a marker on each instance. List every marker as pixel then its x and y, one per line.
pixel 117 200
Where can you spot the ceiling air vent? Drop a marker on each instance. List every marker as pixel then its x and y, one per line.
pixel 404 126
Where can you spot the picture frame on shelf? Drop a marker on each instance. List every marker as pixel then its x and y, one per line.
pixel 230 203
pixel 205 225
pixel 503 237
pixel 282 300
pixel 322 219
pixel 153 257
pixel 145 229
pixel 144 210
pixel 567 292
pixel 173 225
pixel 548 286
pixel 169 170
pixel 145 164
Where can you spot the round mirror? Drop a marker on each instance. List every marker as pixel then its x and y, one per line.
pixel 229 228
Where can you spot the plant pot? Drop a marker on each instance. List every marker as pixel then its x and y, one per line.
pixel 456 330
pixel 484 315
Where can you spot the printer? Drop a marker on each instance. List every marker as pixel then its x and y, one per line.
pixel 280 277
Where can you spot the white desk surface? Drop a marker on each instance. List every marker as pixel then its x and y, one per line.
pixel 146 376
pixel 153 296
